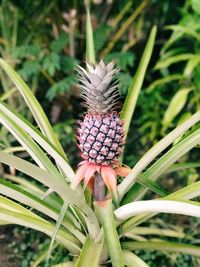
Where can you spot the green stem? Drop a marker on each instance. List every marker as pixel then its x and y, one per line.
pixel 105 212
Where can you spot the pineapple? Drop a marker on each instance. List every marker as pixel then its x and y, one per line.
pixel 101 134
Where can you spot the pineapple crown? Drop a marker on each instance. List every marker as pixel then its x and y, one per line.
pixel 99 87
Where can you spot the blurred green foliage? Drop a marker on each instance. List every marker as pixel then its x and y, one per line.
pixel 45 41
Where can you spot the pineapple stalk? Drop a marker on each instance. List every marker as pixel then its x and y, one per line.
pixel 99 187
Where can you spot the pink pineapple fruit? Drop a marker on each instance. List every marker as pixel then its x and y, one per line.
pixel 101 134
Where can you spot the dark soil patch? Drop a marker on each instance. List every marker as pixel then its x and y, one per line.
pixel 7 257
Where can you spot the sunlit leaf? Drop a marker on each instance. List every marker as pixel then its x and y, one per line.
pixel 176 104
pixel 196 6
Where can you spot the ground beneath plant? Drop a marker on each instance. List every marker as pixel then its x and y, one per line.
pixel 7 257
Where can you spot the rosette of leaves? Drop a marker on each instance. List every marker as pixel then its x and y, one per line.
pixel 94 233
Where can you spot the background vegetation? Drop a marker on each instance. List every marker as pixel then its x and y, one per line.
pixel 45 40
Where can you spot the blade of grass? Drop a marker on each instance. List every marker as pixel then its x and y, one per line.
pixel 57 227
pixel 188 192
pixel 8 94
pixel 23 183
pixel 169 61
pixel 42 255
pixel 13 149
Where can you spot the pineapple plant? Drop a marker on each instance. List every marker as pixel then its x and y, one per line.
pixel 101 133
pixel 101 232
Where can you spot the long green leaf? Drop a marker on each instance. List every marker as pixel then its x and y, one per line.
pixel 131 260
pixel 164 80
pixel 154 152
pixel 16 193
pixel 121 14
pixel 41 225
pixel 23 183
pixel 127 211
pixel 66 264
pixel 62 188
pixel 186 193
pixel 90 52
pixel 163 246
pixel 135 87
pixel 38 191
pixel 191 31
pixel 53 200
pixel 161 165
pixel 33 105
pixel 175 59
pixel 39 138
pixel 42 255
pixel 176 104
pixel 173 154
pixel 152 185
pixel 156 231
pixel 183 166
pixel 57 227
pixel 12 206
pixel 90 254
pixel 191 65
pixel 32 148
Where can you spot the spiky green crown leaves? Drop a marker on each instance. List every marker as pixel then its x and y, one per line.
pixel 99 87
